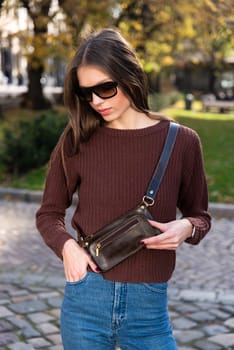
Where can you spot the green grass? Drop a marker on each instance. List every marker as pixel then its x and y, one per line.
pixel 217 136
pixel 34 180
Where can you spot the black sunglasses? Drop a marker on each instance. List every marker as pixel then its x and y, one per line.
pixel 104 90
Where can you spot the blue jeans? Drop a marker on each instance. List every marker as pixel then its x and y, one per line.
pixel 98 314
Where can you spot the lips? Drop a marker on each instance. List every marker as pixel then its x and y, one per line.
pixel 104 111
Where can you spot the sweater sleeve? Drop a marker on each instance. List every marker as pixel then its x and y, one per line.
pixel 193 198
pixel 57 197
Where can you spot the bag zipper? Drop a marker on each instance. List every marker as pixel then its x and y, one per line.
pixel 105 242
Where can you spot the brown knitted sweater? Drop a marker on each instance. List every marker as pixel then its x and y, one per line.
pixel 111 173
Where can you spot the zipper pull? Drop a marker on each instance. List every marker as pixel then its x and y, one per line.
pixel 98 246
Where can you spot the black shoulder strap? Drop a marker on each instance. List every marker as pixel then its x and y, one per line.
pixel 160 169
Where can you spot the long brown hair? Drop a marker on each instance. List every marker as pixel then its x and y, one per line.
pixel 109 51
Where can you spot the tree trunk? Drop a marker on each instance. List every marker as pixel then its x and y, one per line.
pixel 212 79
pixel 35 98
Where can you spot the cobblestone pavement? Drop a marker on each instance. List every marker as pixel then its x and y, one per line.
pixel 201 291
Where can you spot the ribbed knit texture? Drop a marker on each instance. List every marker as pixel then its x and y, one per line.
pixel 112 172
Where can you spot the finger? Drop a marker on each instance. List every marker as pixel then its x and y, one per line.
pixel 93 266
pixel 162 227
pixel 154 240
pixel 168 244
pixel 161 246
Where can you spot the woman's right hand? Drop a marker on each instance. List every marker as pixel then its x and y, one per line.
pixel 76 261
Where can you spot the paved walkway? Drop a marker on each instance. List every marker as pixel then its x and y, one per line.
pixel 31 286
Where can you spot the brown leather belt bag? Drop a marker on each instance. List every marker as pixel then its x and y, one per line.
pixel 122 237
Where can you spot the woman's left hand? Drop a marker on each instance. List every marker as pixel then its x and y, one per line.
pixel 174 233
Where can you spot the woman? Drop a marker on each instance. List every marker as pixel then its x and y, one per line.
pixel 107 154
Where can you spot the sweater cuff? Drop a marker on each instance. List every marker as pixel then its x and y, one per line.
pixel 195 236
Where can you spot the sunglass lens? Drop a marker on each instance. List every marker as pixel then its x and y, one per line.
pixel 85 94
pixel 106 90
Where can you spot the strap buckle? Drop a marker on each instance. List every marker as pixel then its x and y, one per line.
pixel 147 201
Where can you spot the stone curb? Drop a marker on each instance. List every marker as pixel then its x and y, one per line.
pixel 217 210
pixel 222 210
pixel 11 194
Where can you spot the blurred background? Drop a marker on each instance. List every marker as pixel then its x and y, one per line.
pixel 186 49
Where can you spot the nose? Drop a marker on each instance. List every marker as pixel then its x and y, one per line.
pixel 96 99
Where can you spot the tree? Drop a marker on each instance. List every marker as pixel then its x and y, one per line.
pixel 39 14
pixel 84 16
pixel 214 38
pixel 165 33
pixel 33 41
pixel 168 33
pixel 77 16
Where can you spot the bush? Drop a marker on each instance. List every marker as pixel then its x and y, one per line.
pixel 29 143
pixel 158 102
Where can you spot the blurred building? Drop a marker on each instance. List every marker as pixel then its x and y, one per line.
pixel 14 23
pixel 13 65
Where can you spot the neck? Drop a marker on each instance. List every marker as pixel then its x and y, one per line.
pixel 135 120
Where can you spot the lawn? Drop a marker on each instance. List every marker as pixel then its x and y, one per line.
pixel 34 180
pixel 217 136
